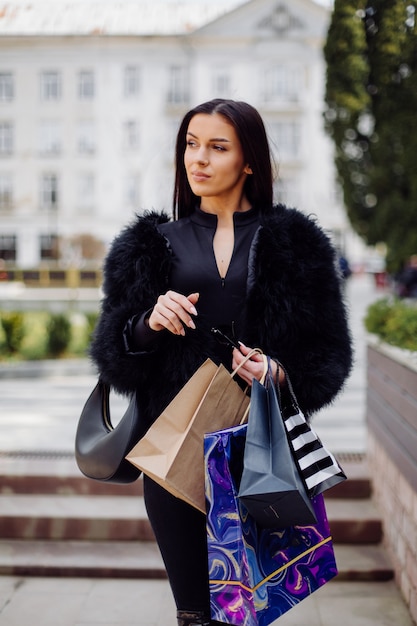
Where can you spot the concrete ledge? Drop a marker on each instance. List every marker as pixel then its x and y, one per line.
pixel 392 455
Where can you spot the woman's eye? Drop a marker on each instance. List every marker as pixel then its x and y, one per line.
pixel 219 148
pixel 191 144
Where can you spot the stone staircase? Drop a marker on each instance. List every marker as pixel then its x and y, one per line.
pixel 55 522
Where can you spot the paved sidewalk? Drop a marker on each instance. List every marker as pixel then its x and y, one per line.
pixel 86 602
pixel 40 403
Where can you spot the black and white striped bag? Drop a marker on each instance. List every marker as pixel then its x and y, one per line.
pixel 317 465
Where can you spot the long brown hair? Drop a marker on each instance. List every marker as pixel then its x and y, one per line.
pixel 251 132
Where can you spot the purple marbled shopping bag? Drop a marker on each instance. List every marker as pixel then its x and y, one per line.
pixel 256 574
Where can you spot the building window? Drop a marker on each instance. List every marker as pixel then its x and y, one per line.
pixel 49 191
pixel 281 83
pixel 86 137
pixel 86 85
pixel 8 247
pixel 85 191
pixel 131 83
pixel 49 247
pixel 131 135
pixel 285 139
pixel 132 191
pixel 6 87
pixel 6 138
pixel 50 137
pixel 178 92
pixel 221 83
pixel 6 191
pixel 50 85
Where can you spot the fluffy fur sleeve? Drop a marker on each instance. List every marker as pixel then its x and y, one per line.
pixel 135 273
pixel 295 308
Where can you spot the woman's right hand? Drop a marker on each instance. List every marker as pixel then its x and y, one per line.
pixel 172 311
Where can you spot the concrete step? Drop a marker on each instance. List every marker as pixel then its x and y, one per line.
pixel 358 483
pixel 97 559
pixel 135 559
pixel 46 484
pixel 48 474
pixel 52 517
pixel 363 563
pixel 123 518
pixel 354 521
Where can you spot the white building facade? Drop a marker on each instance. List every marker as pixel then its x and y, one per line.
pixel 91 95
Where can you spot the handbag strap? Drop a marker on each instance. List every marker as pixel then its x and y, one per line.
pixel 105 404
pixel 288 385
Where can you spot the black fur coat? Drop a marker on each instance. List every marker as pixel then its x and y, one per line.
pixel 294 312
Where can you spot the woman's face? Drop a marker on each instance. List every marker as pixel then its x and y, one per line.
pixel 213 158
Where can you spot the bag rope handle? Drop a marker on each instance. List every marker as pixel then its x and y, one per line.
pixel 267 368
pixel 266 364
pixel 246 359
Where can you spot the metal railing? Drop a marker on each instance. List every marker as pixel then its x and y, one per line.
pixel 53 277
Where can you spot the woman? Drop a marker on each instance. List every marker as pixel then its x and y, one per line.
pixel 264 275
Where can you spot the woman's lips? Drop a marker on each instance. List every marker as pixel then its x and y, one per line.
pixel 200 176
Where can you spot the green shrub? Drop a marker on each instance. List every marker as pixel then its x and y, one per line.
pixel 13 331
pixel 377 316
pixel 401 327
pixel 394 321
pixel 34 335
pixel 91 324
pixel 81 334
pixel 34 345
pixel 59 334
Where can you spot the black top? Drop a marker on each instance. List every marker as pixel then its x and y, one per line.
pixel 293 311
pixel 194 270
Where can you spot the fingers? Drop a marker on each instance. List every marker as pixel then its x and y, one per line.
pixel 193 298
pixel 245 351
pixel 172 312
pixel 253 368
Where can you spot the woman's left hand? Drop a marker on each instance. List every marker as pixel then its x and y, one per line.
pixel 253 368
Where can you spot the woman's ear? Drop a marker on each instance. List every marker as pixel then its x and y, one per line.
pixel 247 170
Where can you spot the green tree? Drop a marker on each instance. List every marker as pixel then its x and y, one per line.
pixel 59 334
pixel 371 98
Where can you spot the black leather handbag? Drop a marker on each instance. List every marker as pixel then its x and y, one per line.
pixel 100 448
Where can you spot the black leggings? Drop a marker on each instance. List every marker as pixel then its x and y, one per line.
pixel 180 531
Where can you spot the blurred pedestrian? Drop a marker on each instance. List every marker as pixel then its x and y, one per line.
pixel 407 279
pixel 344 267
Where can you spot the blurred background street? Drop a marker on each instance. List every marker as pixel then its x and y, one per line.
pixel 40 403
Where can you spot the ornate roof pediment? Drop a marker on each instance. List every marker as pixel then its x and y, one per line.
pixel 281 20
pixel 270 19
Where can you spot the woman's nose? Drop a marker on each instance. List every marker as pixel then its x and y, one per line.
pixel 202 158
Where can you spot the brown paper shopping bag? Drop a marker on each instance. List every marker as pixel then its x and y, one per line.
pixel 172 450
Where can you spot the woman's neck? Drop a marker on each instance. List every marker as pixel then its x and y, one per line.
pixel 219 207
